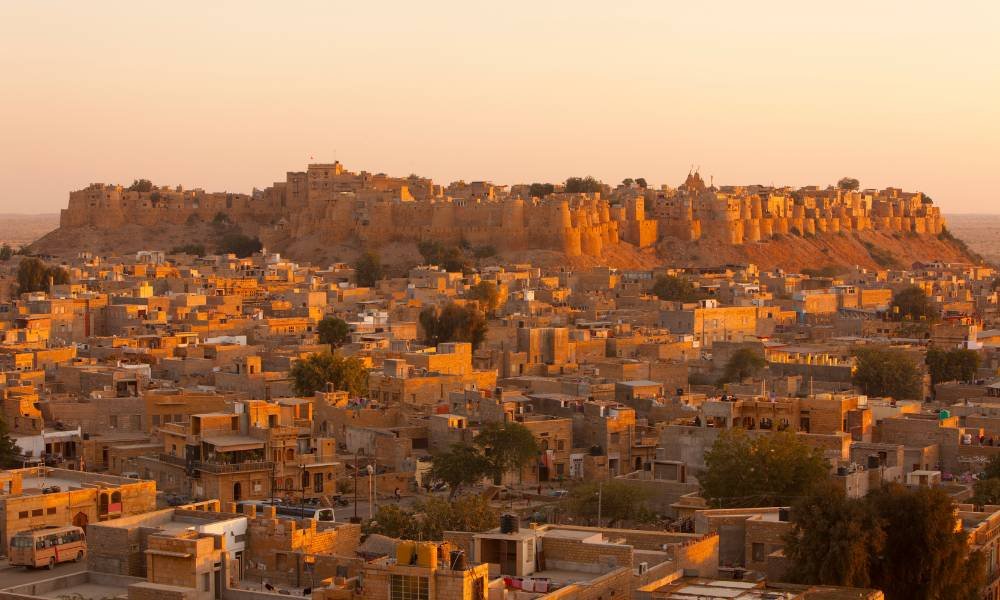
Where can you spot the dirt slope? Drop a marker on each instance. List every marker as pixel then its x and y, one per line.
pixel 868 249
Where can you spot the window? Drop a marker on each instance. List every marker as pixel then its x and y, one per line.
pixel 36 512
pixel 206 581
pixel 408 587
pixel 113 419
pixel 156 420
pixel 50 511
pixel 22 515
pixel 757 550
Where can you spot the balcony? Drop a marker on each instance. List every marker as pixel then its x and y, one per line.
pixel 242 467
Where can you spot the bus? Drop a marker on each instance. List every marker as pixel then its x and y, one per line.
pixel 314 513
pixel 46 546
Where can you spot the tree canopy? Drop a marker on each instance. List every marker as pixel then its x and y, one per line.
pixel 461 465
pixel 744 363
pixel 449 258
pixel 540 190
pixel 958 364
pixel 312 373
pixel 453 323
pixel 848 184
pixel 368 270
pixel 240 244
pixel 619 501
pixel 871 542
pixel 430 518
pixel 834 540
pixel 887 372
pixel 912 304
pixel 507 447
pixel 333 331
pixel 487 294
pixel 9 452
pixel 577 185
pixel 140 185
pixel 33 275
pixel 766 470
pixel 6 252
pixel 676 289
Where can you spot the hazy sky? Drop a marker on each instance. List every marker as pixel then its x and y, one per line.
pixel 231 95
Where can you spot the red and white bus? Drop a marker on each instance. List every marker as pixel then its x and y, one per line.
pixel 47 546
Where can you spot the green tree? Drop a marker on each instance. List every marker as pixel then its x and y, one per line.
pixel 834 539
pixel 141 185
pixel 619 501
pixel 6 252
pixel 240 244
pixel 887 372
pixel 471 512
pixel 958 364
pixel 745 362
pixel 461 465
pixel 333 331
pixel 9 452
pixel 641 182
pixel 848 184
pixel 449 258
pixel 33 275
pixel 992 469
pixel 767 470
pixel 628 181
pixel 676 289
pixel 453 323
pixel 578 185
pixel 192 249
pixel 507 447
pixel 429 519
pixel 912 304
pixel 368 270
pixel 986 491
pixel 312 373
pixel 924 519
pixel 487 295
pixel 541 190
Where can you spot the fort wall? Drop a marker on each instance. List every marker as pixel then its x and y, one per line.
pixel 341 207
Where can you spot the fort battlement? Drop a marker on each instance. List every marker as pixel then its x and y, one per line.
pixel 341 206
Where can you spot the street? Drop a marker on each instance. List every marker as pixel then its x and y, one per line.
pixel 14 576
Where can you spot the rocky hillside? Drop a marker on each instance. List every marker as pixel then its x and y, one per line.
pixel 788 252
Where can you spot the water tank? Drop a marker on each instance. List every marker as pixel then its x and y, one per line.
pixel 944 414
pixel 405 552
pixel 508 523
pixel 457 560
pixel 427 555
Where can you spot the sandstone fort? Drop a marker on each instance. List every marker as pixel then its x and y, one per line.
pixel 340 206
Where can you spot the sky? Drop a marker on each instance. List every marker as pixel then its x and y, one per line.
pixel 232 95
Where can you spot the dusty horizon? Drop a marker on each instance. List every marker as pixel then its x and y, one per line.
pixel 230 96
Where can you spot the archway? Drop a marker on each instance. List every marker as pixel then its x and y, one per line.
pixel 81 520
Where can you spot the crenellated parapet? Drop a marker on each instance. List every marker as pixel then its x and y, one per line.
pixel 343 207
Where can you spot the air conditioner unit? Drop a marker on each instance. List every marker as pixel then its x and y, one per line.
pixel 643 567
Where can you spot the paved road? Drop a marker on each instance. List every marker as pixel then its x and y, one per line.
pixel 14 576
